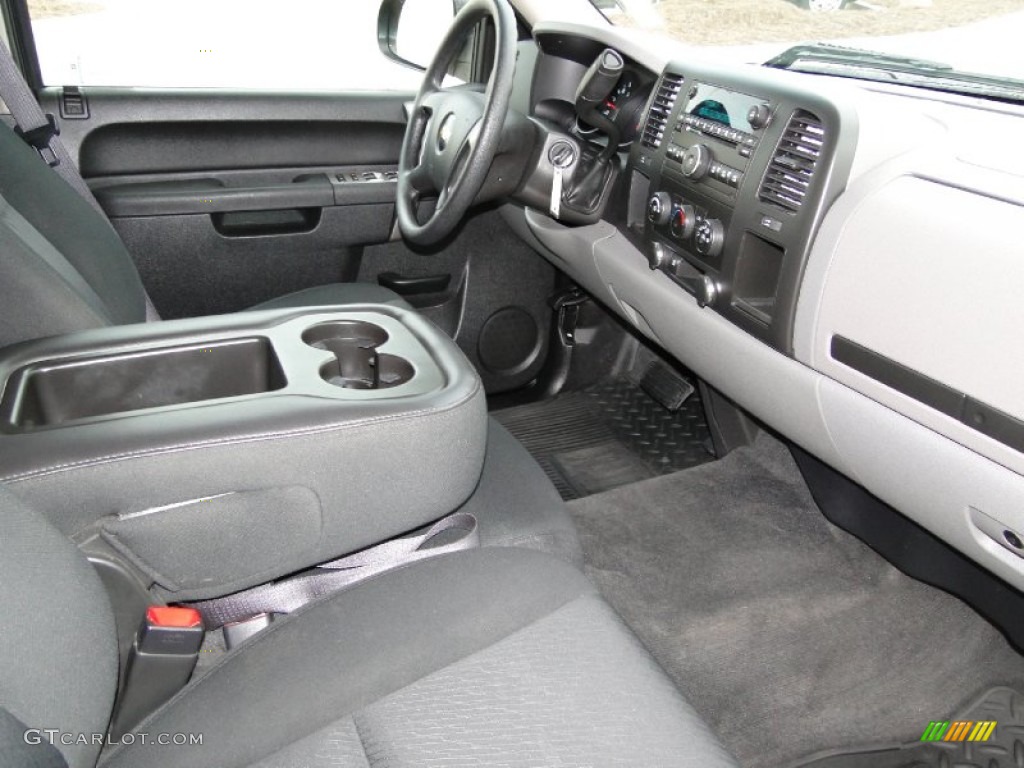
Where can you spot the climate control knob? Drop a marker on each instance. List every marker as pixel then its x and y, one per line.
pixel 709 237
pixel 696 162
pixel 684 220
pixel 659 208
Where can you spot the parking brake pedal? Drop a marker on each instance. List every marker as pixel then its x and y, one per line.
pixel 665 386
pixel 567 313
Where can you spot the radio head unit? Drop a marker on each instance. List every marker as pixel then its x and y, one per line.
pixel 712 106
pixel 715 135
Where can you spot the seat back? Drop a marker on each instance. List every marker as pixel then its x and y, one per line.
pixel 63 268
pixel 58 646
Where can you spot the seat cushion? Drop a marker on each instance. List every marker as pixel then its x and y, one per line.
pixel 58 648
pixel 516 505
pixel 496 656
pixel 334 294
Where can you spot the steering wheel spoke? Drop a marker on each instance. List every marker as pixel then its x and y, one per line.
pixel 453 133
pixel 420 181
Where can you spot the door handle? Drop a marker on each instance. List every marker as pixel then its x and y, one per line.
pixel 284 221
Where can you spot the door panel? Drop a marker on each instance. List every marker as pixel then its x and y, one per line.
pixel 226 199
pixel 325 121
pixel 502 287
pixel 212 144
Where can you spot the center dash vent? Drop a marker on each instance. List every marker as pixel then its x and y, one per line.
pixel 789 174
pixel 661 108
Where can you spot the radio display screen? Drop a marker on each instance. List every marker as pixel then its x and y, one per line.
pixel 729 108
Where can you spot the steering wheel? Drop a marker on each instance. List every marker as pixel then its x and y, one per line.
pixel 454 133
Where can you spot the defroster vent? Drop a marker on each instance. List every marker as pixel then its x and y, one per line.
pixel 661 108
pixel 792 168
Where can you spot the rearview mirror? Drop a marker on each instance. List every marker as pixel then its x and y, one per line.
pixel 411 31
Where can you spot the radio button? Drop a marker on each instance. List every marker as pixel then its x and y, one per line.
pixel 759 116
pixel 696 162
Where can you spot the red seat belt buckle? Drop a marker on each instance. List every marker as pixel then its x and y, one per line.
pixel 170 630
pixel 159 664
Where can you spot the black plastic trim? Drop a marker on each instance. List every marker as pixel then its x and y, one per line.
pixel 129 200
pixel 904 380
pixel 975 414
pixel 911 548
pixel 759 300
pixel 994 423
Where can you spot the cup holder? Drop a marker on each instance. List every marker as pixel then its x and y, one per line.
pixel 345 333
pixel 356 363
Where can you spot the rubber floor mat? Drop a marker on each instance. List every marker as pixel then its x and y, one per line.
pixel 988 734
pixel 609 435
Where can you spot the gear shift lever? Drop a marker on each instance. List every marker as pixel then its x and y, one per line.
pixel 594 89
pixel 596 171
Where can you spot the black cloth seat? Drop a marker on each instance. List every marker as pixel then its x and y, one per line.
pixel 490 657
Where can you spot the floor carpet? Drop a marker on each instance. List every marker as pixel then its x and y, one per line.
pixel 788 635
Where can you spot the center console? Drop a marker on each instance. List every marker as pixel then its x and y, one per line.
pixel 221 452
pixel 738 175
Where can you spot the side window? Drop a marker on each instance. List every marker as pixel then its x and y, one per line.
pixel 247 44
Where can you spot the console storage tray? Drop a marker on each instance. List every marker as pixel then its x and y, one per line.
pixel 49 394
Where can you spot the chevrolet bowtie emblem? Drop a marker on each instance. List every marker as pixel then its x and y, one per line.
pixel 444 133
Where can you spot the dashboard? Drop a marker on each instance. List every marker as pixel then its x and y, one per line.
pixel 739 173
pixel 840 259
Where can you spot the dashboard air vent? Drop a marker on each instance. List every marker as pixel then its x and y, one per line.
pixel 661 108
pixel 792 167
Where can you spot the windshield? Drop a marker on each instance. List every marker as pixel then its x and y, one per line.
pixel 974 36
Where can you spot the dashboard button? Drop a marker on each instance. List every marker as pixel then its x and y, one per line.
pixel 658 257
pixel 659 208
pixel 706 291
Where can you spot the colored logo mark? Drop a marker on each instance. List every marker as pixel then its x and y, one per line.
pixel 959 730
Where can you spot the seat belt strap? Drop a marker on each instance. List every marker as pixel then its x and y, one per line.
pixel 13 224
pixel 38 129
pixel 41 131
pixel 453 533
